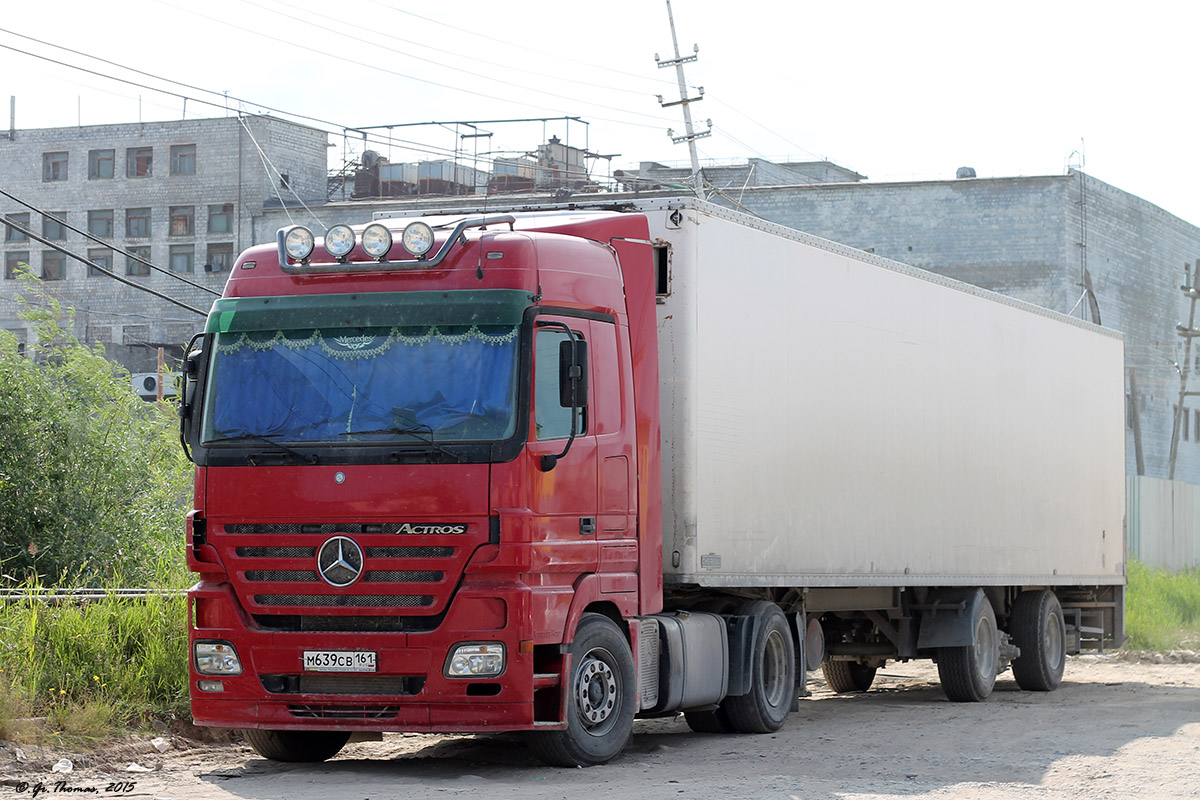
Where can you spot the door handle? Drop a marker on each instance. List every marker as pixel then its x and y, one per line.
pixel 587 526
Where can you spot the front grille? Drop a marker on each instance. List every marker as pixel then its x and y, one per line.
pixel 325 528
pixel 392 685
pixel 378 576
pixel 320 711
pixel 344 600
pixel 348 624
pixel 371 552
pixel 277 552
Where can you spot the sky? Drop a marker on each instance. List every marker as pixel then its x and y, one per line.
pixel 895 91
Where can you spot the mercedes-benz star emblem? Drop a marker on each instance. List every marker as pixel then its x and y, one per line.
pixel 340 561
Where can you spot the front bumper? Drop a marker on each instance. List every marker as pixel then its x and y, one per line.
pixel 407 692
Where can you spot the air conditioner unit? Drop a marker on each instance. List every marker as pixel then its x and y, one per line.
pixel 146 384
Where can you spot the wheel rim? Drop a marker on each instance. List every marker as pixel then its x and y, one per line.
pixel 985 649
pixel 597 691
pixel 1053 641
pixel 774 669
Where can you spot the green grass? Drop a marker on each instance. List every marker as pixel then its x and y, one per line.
pixel 1162 609
pixel 93 667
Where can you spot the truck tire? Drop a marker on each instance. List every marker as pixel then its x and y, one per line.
pixel 296 746
pixel 601 693
pixel 1037 627
pixel 844 677
pixel 772 674
pixel 969 673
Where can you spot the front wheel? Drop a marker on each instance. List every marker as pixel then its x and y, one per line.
pixel 600 699
pixel 969 673
pixel 296 746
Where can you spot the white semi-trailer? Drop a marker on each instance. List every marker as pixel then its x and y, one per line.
pixel 550 468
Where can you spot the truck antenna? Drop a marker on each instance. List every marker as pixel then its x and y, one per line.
pixel 690 136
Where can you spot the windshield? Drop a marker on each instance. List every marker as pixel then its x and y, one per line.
pixel 364 385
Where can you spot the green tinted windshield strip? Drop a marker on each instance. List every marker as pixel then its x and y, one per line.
pixel 383 309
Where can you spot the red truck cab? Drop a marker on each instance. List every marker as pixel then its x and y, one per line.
pixel 427 483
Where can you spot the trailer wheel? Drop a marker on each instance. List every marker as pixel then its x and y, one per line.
pixel 601 693
pixel 714 721
pixel 772 674
pixel 848 676
pixel 296 746
pixel 969 673
pixel 1037 628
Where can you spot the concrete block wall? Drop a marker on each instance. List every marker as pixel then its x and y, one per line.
pixel 1138 256
pixel 228 171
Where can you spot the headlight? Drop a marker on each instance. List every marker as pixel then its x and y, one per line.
pixel 299 243
pixel 417 238
pixel 217 658
pixel 376 240
pixel 476 661
pixel 339 241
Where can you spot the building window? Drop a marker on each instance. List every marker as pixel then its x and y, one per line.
pixel 134 267
pixel 220 258
pixel 14 261
pixel 54 166
pixel 54 266
pixel 139 162
pixel 1186 420
pixel 101 258
pixel 220 218
pixel 100 223
pixel 12 234
pixel 183 258
pixel 137 223
pixel 53 229
pixel 101 163
pixel 183 159
pixel 183 220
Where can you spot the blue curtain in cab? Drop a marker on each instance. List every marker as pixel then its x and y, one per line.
pixel 320 387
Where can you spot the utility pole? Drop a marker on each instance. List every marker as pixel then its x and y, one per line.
pixel 690 136
pixel 1188 333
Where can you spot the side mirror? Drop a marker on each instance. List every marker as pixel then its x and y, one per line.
pixel 572 374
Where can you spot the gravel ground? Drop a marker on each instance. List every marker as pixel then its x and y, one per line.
pixel 1118 727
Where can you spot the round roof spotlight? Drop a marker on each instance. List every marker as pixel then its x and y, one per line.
pixel 299 243
pixel 339 241
pixel 376 241
pixel 417 238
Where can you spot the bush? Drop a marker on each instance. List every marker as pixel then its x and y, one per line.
pixel 93 484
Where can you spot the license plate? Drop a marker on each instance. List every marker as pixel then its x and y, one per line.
pixel 339 661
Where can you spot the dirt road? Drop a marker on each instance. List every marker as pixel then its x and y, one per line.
pixel 1113 729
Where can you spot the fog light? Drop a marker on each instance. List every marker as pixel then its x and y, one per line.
pixel 475 661
pixel 339 241
pixel 299 243
pixel 417 238
pixel 210 686
pixel 217 658
pixel 376 241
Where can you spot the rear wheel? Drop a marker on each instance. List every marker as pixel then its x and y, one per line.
pixel 765 707
pixel 1037 628
pixel 296 746
pixel 844 677
pixel 969 673
pixel 600 699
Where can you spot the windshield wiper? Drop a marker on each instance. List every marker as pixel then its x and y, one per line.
pixel 259 437
pixel 423 434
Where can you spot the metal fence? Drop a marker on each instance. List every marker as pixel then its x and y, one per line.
pixel 1164 522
